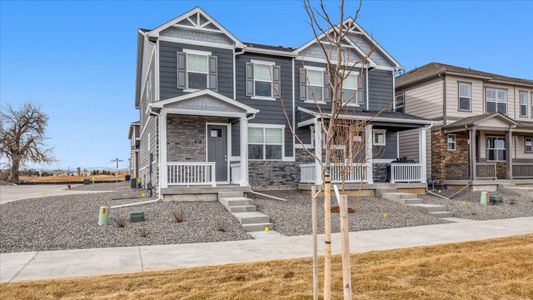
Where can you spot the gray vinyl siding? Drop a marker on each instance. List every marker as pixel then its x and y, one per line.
pixel 380 89
pixel 389 151
pixel 235 139
pixel 270 112
pixel 144 154
pixel 168 68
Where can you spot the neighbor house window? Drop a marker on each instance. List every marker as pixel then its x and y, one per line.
pixel 496 100
pixel 399 104
pixel 349 89
pixel 528 145
pixel 523 104
pixel 496 148
pixel 379 137
pixel 465 96
pixel 315 84
pixel 452 144
pixel 263 80
pixel 265 143
pixel 197 70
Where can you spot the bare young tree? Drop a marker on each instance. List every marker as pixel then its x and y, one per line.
pixel 22 137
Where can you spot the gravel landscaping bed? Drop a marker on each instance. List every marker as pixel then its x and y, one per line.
pixel 466 205
pixel 70 222
pixel 294 216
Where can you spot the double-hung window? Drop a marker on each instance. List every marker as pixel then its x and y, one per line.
pixel 265 143
pixel 496 100
pixel 496 148
pixel 349 89
pixel 379 137
pixel 523 104
pixel 452 144
pixel 465 96
pixel 399 104
pixel 263 80
pixel 315 84
pixel 528 145
pixel 197 70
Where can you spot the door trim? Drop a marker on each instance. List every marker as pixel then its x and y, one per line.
pixel 228 142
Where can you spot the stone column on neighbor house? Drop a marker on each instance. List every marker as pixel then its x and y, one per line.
pixel 509 150
pixel 163 169
pixel 422 153
pixel 472 158
pixel 369 154
pixel 244 150
pixel 318 152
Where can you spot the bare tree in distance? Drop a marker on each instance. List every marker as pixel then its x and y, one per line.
pixel 22 137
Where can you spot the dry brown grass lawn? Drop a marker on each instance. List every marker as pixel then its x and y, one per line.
pixel 71 179
pixel 494 269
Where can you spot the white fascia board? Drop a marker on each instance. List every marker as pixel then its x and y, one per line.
pixel 161 104
pixel 268 51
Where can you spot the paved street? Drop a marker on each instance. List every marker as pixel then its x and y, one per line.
pixel 69 263
pixel 9 193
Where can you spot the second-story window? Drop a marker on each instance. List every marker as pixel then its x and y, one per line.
pixel 197 71
pixel 349 89
pixel 263 80
pixel 465 96
pixel 399 104
pixel 523 104
pixel 496 100
pixel 315 85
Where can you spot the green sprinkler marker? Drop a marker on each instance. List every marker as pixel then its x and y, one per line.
pixel 484 198
pixel 103 218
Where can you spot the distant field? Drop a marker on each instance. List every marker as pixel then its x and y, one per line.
pixel 492 269
pixel 72 179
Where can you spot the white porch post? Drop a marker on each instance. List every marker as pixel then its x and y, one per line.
pixel 163 168
pixel 318 152
pixel 369 154
pixel 422 153
pixel 244 150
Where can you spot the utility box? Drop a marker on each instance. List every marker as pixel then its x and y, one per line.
pixel 137 216
pixel 494 200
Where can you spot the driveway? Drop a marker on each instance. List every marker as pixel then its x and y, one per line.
pixel 9 193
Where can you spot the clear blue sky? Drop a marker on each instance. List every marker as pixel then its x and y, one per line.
pixel 77 59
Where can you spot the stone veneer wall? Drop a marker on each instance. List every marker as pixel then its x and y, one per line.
pixel 186 137
pixel 273 175
pixel 440 156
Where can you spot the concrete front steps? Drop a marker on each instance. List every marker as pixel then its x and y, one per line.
pixel 245 211
pixel 411 200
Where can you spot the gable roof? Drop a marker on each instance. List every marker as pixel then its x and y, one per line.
pixel 474 120
pixel 434 69
pixel 197 12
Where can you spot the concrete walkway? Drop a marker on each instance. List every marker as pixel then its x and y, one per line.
pixel 68 263
pixel 9 193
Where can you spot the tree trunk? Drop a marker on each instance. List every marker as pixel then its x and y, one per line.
pixel 14 172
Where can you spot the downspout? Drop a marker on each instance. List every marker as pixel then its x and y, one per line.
pixel 443 76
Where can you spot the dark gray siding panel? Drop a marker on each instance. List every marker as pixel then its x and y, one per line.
pixel 235 139
pixel 389 151
pixel 380 89
pixel 168 73
pixel 271 112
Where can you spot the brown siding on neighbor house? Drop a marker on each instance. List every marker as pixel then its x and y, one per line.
pixel 440 155
pixel 424 100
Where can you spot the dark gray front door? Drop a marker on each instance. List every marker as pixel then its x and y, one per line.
pixel 217 150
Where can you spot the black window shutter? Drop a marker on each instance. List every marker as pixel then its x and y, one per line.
pixel 182 70
pixel 213 73
pixel 303 85
pixel 249 79
pixel 277 81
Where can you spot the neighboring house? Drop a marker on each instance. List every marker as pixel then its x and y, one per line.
pixel 211 110
pixel 483 123
pixel 134 135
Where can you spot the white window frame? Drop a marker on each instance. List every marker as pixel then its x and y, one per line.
pixel 520 93
pixel 496 100
pixel 495 149
pixel 379 131
pixel 525 141
pixel 454 143
pixel 396 102
pixel 319 69
pixel 469 97
pixel 195 52
pixel 356 102
pixel 271 126
pixel 271 65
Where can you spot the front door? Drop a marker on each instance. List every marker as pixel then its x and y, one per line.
pixel 217 150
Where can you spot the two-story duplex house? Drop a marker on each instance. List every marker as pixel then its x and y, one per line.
pixel 134 135
pixel 212 110
pixel 483 124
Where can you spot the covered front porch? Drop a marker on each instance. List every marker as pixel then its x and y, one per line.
pixel 380 163
pixel 196 136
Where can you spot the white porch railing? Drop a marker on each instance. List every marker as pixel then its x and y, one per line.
pixel 406 173
pixel 352 173
pixel 235 169
pixel 307 173
pixel 191 173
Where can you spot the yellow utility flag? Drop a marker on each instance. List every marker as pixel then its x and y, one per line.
pixel 385 215
pixel 266 229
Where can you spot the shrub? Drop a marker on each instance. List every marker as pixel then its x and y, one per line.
pixel 178 216
pixel 121 222
pixel 144 232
